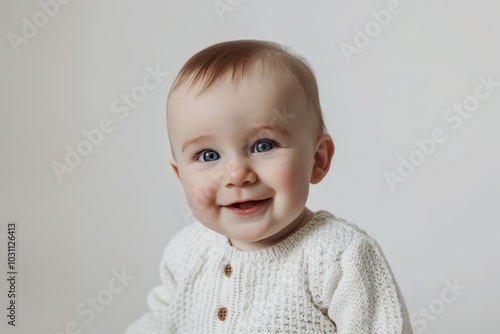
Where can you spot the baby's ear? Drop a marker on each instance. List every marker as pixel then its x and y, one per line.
pixel 322 157
pixel 173 163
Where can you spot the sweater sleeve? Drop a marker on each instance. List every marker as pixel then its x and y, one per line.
pixel 158 300
pixel 367 298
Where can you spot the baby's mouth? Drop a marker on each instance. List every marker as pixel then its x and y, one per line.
pixel 247 205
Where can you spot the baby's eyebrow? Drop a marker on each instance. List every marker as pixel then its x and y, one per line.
pixel 195 140
pixel 277 129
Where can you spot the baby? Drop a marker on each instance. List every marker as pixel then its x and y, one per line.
pixel 247 139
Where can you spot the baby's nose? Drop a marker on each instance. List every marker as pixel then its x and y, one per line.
pixel 239 174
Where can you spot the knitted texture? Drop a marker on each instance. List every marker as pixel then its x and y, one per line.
pixel 327 277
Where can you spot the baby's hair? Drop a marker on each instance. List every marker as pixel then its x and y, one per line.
pixel 209 65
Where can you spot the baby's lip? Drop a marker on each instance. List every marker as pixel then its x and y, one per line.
pixel 247 201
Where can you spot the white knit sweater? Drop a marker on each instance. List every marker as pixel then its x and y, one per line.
pixel 327 277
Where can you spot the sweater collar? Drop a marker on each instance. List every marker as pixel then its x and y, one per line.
pixel 278 250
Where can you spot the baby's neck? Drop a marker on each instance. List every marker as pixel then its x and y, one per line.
pixel 305 217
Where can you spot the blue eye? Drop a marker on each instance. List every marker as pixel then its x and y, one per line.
pixel 263 146
pixel 208 155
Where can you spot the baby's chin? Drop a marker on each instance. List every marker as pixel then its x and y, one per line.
pixel 248 229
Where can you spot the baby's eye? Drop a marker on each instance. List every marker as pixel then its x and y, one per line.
pixel 263 146
pixel 208 155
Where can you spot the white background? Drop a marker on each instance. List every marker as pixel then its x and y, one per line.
pixel 121 205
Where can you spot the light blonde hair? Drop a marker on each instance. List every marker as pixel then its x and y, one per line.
pixel 211 64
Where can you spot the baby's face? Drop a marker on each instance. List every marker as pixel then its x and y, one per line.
pixel 245 155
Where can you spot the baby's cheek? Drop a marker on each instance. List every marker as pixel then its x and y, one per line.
pixel 201 194
pixel 293 179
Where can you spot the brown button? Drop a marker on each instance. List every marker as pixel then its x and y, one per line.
pixel 228 270
pixel 222 313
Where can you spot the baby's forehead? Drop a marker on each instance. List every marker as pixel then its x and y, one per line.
pixel 262 102
pixel 283 93
pixel 280 87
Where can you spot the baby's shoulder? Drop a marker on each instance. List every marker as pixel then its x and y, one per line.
pixel 332 234
pixel 187 245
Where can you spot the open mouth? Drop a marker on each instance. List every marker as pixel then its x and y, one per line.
pixel 248 207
